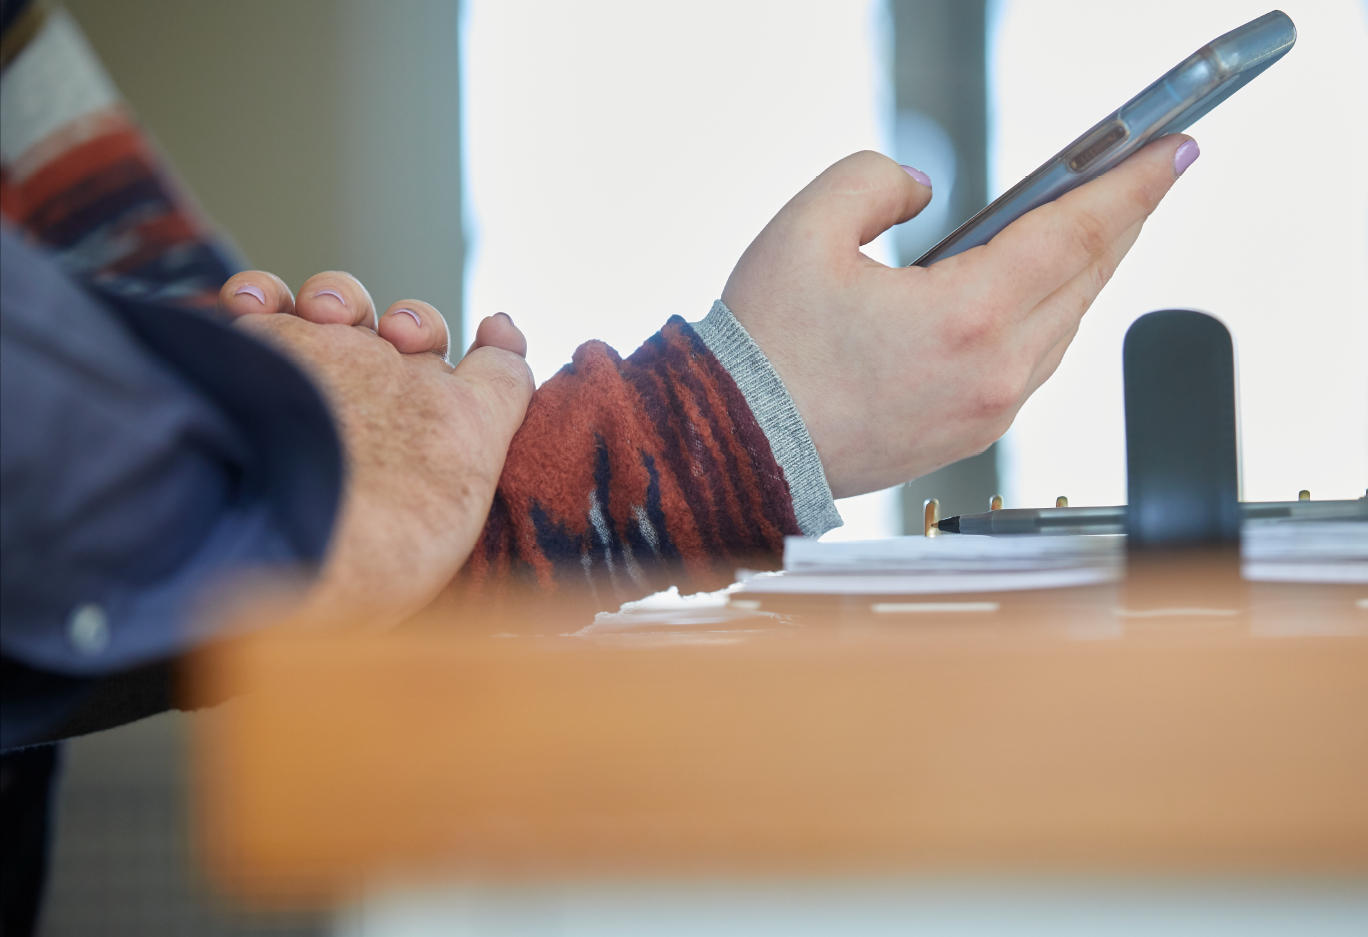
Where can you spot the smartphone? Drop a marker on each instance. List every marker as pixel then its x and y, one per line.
pixel 1172 103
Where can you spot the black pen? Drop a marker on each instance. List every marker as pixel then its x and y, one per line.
pixel 1112 520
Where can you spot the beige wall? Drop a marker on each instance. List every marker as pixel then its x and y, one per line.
pixel 318 134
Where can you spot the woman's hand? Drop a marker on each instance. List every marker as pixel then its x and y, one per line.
pixel 898 371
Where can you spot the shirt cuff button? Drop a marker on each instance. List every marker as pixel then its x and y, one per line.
pixel 88 628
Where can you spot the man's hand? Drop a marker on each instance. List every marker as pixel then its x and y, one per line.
pixel 898 371
pixel 425 442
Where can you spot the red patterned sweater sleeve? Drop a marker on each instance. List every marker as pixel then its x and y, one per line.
pixel 80 176
pixel 632 475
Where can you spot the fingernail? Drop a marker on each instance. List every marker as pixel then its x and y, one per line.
pixel 252 291
pixel 1185 156
pixel 411 314
pixel 507 317
pixel 333 293
pixel 917 174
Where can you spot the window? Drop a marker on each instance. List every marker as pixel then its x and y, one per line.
pixel 1266 232
pixel 620 156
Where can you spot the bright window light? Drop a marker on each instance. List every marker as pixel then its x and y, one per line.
pixel 619 156
pixel 1266 232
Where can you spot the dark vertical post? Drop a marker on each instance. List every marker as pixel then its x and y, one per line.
pixel 940 83
pixel 1182 468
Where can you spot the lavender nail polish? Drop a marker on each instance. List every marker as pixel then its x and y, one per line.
pixel 333 293
pixel 1184 156
pixel 917 174
pixel 255 292
pixel 417 320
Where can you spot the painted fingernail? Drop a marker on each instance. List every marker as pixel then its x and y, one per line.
pixel 411 314
pixel 255 292
pixel 1185 156
pixel 917 174
pixel 333 293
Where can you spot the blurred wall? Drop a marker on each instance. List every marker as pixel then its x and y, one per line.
pixel 940 91
pixel 125 861
pixel 321 134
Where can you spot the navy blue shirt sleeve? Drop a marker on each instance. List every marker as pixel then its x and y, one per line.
pixel 146 453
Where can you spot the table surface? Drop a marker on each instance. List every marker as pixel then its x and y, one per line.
pixel 1106 729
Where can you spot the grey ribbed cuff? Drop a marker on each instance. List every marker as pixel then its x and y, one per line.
pixel 774 410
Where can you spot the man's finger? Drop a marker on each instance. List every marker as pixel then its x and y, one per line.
pixel 254 291
pixel 498 331
pixel 502 381
pixel 335 297
pixel 1052 244
pixel 415 327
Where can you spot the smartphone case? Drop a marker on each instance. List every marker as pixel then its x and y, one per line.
pixel 1172 103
